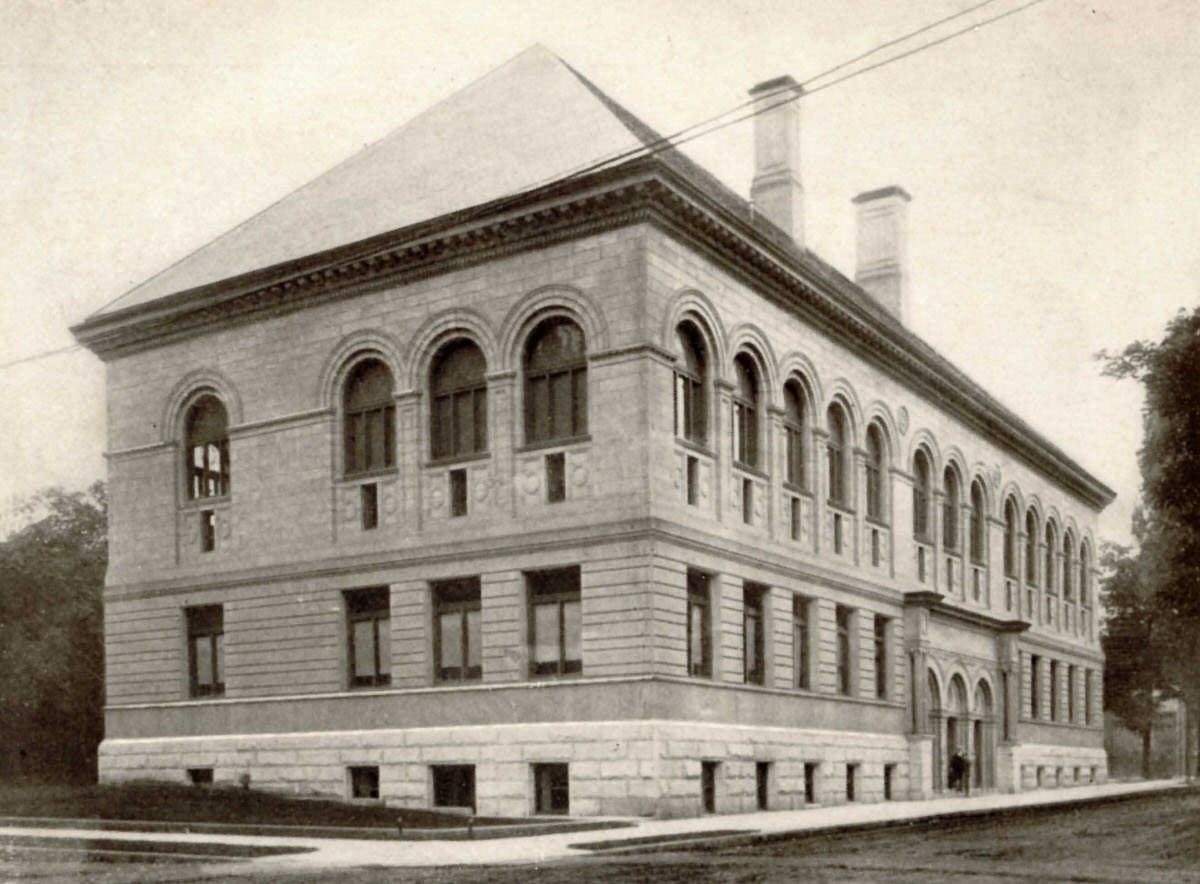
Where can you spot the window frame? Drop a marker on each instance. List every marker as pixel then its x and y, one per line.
pixel 951 510
pixel 745 411
pixel 444 442
pixel 576 371
pixel 1032 533
pixel 699 597
pixel 977 536
pixel 801 642
pixel 210 445
pixel 560 597
pixel 754 663
pixel 356 422
pixel 881 643
pixel 1012 534
pixel 836 451
pixel 922 497
pixel 462 596
pixel 690 386
pixel 875 469
pixel 206 622
pixel 844 673
pixel 373 605
pixel 795 433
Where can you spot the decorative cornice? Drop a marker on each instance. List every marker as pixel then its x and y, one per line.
pixel 644 190
pixel 935 603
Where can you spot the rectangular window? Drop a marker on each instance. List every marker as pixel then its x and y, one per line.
pixel 1087 696
pixel 1034 693
pixel 881 657
pixel 844 650
pixel 552 788
pixel 708 786
pixel 748 501
pixel 800 642
pixel 1054 690
pixel 364 782
pixel 200 776
pixel 837 533
pixel 762 783
pixel 208 531
pixel 369 504
pixel 369 630
pixel 556 477
pixel 693 481
pixel 752 632
pixel 206 650
pixel 851 781
pixel 457 643
pixel 458 492
pixel 795 455
pixel 555 623
pixel 796 516
pixel 875 547
pixel 810 783
pixel 889 777
pixel 699 624
pixel 453 785
pixel 690 418
pixel 1071 694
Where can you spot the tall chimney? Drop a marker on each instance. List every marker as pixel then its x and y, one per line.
pixel 882 267
pixel 776 191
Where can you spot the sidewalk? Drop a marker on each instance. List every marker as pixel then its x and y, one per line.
pixel 542 848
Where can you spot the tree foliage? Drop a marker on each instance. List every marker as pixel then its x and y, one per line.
pixel 51 638
pixel 1169 460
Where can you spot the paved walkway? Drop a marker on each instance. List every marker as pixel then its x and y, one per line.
pixel 543 848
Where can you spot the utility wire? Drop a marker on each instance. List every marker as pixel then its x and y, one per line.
pixel 42 355
pixel 689 133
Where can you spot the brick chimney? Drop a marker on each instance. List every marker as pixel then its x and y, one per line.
pixel 776 191
pixel 882 267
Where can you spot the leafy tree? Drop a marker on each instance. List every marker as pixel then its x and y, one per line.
pixel 51 638
pixel 1169 460
pixel 1133 678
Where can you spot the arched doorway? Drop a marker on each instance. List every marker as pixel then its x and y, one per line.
pixel 984 776
pixel 934 705
pixel 957 722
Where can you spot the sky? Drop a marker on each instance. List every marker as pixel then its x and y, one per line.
pixel 1051 157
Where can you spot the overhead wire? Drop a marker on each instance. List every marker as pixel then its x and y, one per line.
pixel 794 92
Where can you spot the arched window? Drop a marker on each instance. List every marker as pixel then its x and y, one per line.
pixel 837 451
pixel 206 430
pixel 745 411
pixel 793 428
pixel 369 418
pixel 951 508
pixel 1068 565
pixel 691 412
pixel 458 400
pixel 555 382
pixel 1051 547
pixel 1031 538
pixel 1085 574
pixel 978 523
pixel 874 472
pixel 921 494
pixel 1011 528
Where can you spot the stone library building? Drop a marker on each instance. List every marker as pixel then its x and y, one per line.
pixel 477 473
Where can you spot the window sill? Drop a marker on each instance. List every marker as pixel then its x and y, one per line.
pixel 839 506
pixel 561 442
pixel 455 459
pixel 797 490
pixel 356 478
pixel 698 447
pixel 878 523
pixel 753 471
pixel 207 503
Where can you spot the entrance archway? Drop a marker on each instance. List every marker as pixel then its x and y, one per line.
pixel 934 705
pixel 984 775
pixel 957 723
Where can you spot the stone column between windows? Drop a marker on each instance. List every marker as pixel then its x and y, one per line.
pixel 504 625
pixel 1020 611
pixel 858 494
pixel 775 468
pixel 730 620
pixel 993 575
pixel 411 623
pixel 817 465
pixel 904 554
pixel 409 457
pixel 1009 657
pixel 779 650
pixel 826 646
pixel 503 434
pixel 718 586
pixel 725 496
pixel 937 568
pixel 862 651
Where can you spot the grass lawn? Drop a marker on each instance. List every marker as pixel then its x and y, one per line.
pixel 167 802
